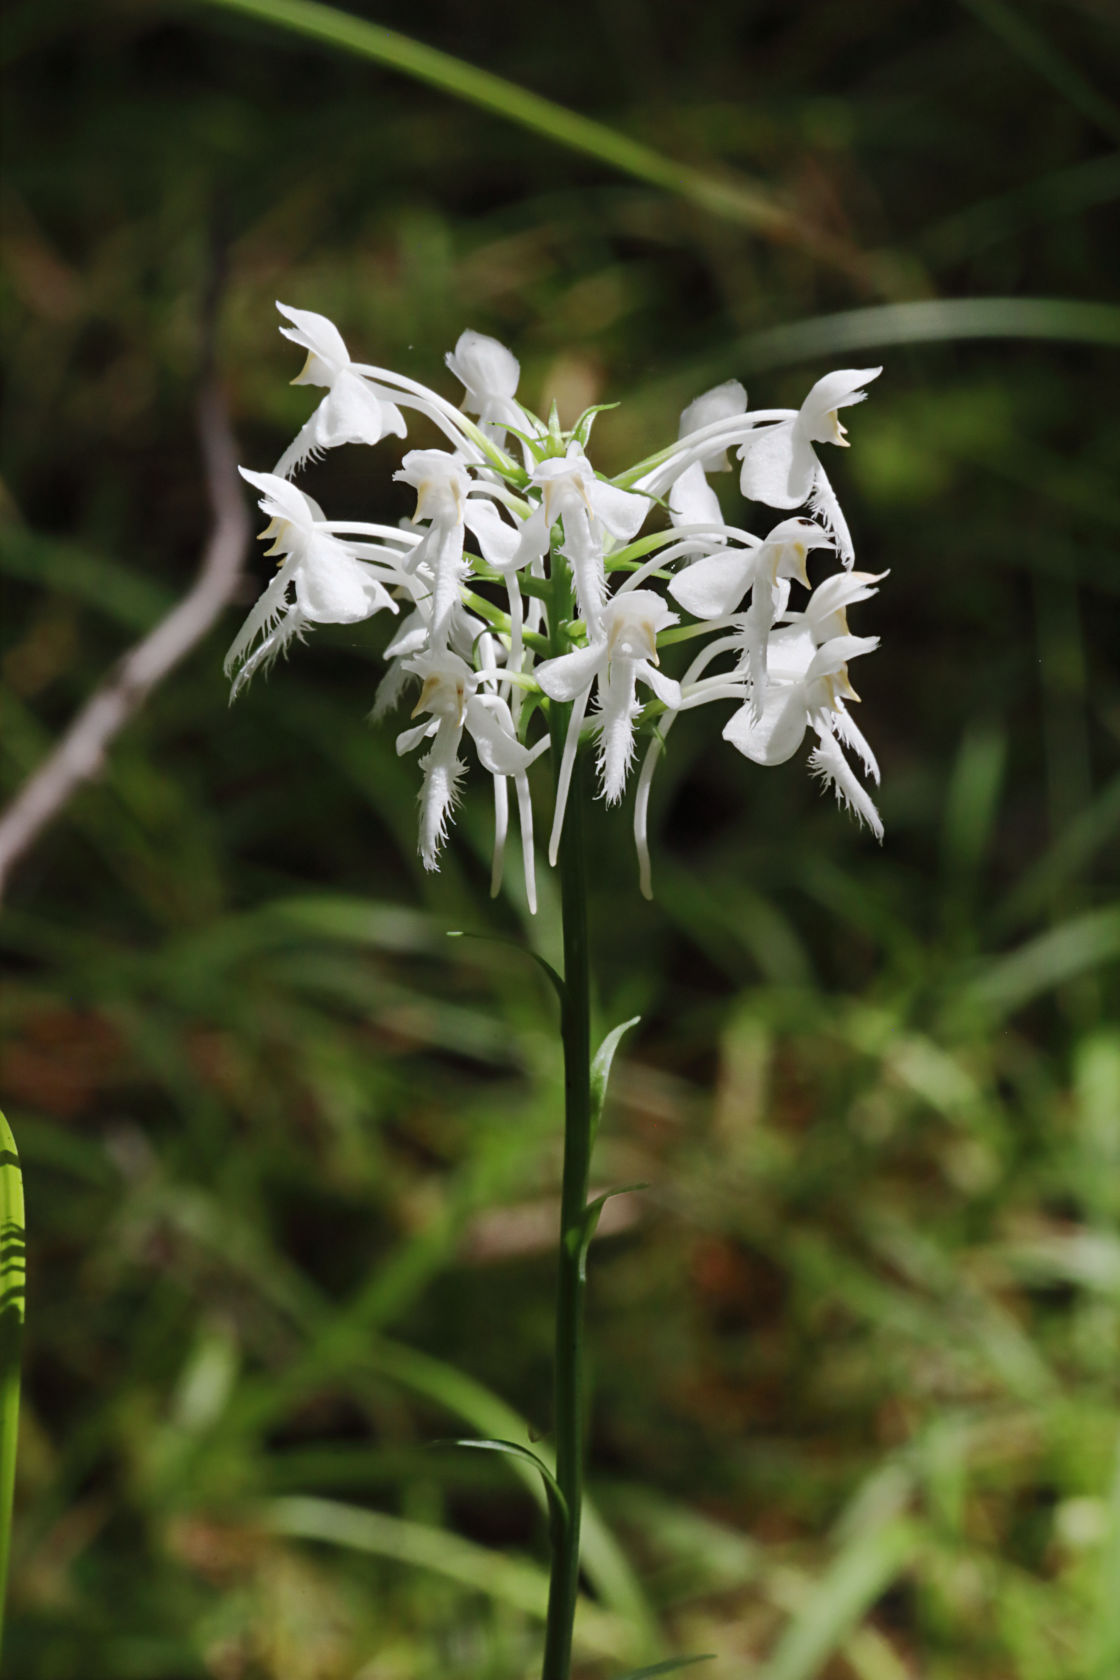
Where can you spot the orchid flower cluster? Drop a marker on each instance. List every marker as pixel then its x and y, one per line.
pixel 526 596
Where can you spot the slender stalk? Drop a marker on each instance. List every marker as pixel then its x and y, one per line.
pixel 575 1026
pixel 11 1333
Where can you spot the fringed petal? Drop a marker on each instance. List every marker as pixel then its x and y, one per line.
pixel 291 627
pixel 439 791
pixel 829 763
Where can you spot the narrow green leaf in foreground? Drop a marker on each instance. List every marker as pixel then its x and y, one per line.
pixel 861 1572
pixel 671 1666
pixel 12 1280
pixel 731 197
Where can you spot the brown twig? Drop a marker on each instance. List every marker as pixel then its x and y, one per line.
pixel 82 750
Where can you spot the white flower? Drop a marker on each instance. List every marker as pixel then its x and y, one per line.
pixel 319 580
pixel 692 501
pixel 442 487
pixel 591 510
pixel 449 695
pixel 623 654
pixel 780 466
pixel 353 411
pixel 826 614
pixel 490 373
pixel 806 687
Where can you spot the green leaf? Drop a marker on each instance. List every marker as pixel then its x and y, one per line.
pixel 590 1221
pixel 557 1504
pixel 506 1580
pixel 734 197
pixel 545 967
pixel 13 1273
pixel 671 1666
pixel 861 1572
pixel 581 431
pixel 1062 953
pixel 601 1068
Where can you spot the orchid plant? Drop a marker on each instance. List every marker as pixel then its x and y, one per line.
pixel 532 618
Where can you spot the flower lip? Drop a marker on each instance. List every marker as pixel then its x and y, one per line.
pixel 447 683
pixel 632 622
pixel 440 482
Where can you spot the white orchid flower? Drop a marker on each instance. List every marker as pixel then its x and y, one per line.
pixel 592 511
pixel 622 655
pixel 353 410
pixel 490 374
pixel 473 644
pixel 449 694
pixel 714 587
pixel 826 614
pixel 780 466
pixel 692 501
pixel 442 487
pixel 807 687
pixel 319 580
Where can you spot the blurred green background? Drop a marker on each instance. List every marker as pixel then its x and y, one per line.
pixel 291 1156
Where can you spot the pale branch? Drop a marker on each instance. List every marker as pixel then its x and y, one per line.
pixel 82 750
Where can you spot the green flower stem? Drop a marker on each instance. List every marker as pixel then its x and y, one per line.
pixel 12 1272
pixel 575 1026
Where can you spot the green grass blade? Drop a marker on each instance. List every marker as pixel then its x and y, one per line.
pixel 510 1580
pixel 929 321
pixel 672 1666
pixel 12 1292
pixel 862 1571
pixel 733 198
pixel 1074 947
pixel 1032 46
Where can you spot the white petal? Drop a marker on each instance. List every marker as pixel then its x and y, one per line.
pixel 499 541
pixel 442 770
pixel 776 735
pixel 828 659
pixel 501 829
pixel 778 466
pixel 321 338
pixel 354 413
pixel 618 710
pixel 409 739
pixel 829 763
pixel 789 653
pixel 845 726
pixel 667 689
pixel 484 366
pixel 528 855
pixel 262 620
pixel 333 588
pixel 836 390
pixel 692 501
pixel 713 587
pixel 621 511
pixel 499 750
pixel 723 402
pixel 571 674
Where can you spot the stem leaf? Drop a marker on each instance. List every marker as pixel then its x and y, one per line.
pixel 601 1068
pixel 590 1221
pixel 557 1504
pixel 546 968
